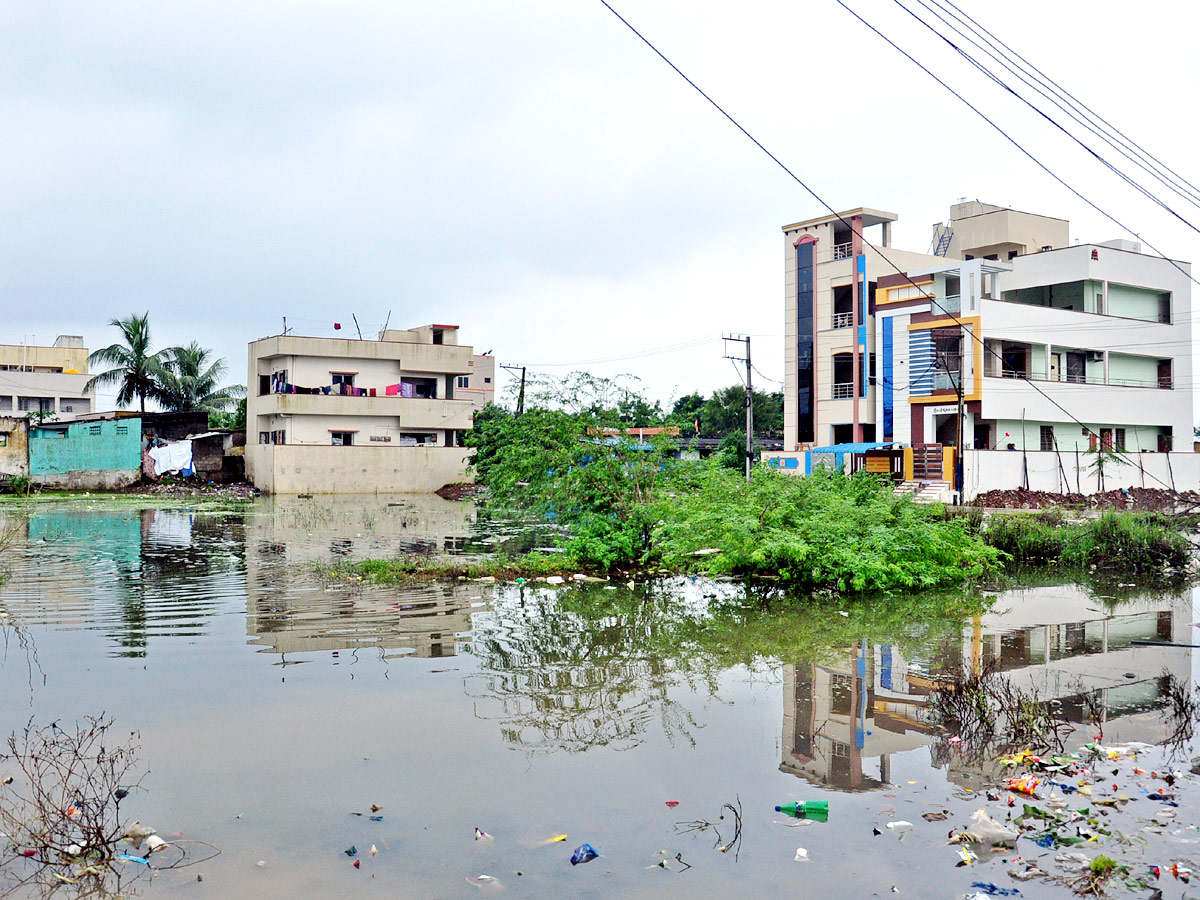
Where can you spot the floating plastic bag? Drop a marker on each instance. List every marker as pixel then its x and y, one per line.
pixel 583 853
pixel 986 830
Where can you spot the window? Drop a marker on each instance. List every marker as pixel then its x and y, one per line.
pixel 1106 438
pixel 278 437
pixel 463 381
pixel 346 378
pixel 35 404
pixel 264 437
pixel 1120 436
pixel 264 385
pixel 95 429
pixel 6 403
pixel 122 429
pixel 487 381
pixel 341 438
pixel 1047 437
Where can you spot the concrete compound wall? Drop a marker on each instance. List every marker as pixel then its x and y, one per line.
pixel 1067 472
pixel 294 469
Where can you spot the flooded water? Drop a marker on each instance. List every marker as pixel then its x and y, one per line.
pixel 272 702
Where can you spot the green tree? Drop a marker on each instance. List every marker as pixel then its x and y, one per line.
pixel 133 365
pixel 725 412
pixel 187 379
pixel 570 458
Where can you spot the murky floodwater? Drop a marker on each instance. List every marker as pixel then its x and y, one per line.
pixel 273 702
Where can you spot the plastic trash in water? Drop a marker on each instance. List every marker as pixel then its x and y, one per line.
pixel 486 883
pixel 374 851
pixel 554 839
pixel 1026 784
pixel 358 863
pixel 817 810
pixel 994 890
pixel 153 843
pixel 481 835
pixel 899 825
pixel 986 830
pixel 351 851
pixel 583 853
pixel 672 803
pixel 802 855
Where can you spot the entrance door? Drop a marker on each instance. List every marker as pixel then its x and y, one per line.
pixel 927 462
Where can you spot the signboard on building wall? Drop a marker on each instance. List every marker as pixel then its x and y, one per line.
pixel 381 438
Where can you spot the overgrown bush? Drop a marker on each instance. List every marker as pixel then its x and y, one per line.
pixel 826 530
pixel 1131 542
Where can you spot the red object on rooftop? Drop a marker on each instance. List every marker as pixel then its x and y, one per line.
pixel 337 326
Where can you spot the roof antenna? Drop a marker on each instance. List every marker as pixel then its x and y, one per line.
pixel 385 324
pixel 355 318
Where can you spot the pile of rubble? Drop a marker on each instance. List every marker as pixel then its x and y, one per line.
pixel 1156 499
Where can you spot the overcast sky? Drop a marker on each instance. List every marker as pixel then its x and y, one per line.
pixel 528 169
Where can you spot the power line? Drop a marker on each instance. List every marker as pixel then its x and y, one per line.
pixel 638 354
pixel 1042 78
pixel 995 78
pixel 849 225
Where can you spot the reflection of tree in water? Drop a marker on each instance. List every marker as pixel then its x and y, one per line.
pixel 592 666
pixel 560 678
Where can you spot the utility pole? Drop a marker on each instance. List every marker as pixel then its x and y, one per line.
pixel 521 395
pixel 749 400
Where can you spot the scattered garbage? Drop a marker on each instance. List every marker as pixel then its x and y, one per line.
pixel 985 830
pixel 374 851
pixel 486 883
pixel 481 835
pixel 802 855
pixel 899 825
pixel 583 853
pixel 351 851
pixel 817 810
pixel 672 803
pixel 992 890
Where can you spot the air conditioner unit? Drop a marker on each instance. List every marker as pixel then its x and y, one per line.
pixel 1095 356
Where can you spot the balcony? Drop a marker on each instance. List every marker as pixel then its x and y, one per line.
pixel 407 412
pixel 843 320
pixel 843 391
pixel 951 305
pixel 843 251
pixel 946 381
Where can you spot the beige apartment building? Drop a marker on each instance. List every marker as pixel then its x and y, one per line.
pixel 47 380
pixel 339 415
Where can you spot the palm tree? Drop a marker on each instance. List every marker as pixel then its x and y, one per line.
pixel 188 381
pixel 134 366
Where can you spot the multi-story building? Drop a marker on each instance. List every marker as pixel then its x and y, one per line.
pixel 48 380
pixel 329 415
pixel 1052 346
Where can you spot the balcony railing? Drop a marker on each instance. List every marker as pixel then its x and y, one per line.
pixel 843 391
pixel 843 320
pixel 945 381
pixel 843 251
pixel 951 304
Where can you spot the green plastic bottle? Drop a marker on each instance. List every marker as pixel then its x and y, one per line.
pixel 817 810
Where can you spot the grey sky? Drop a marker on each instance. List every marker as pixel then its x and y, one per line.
pixel 527 170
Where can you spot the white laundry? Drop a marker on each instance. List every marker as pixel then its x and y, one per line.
pixel 176 457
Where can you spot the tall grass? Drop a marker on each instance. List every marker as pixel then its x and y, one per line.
pixel 1132 542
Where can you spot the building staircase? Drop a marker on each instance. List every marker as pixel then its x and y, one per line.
pixel 926 491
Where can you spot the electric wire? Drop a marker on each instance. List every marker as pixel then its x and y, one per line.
pixel 1078 104
pixel 849 225
pixel 995 78
pixel 1041 165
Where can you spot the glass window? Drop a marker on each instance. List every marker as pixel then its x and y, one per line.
pixel 341 438
pixel 346 378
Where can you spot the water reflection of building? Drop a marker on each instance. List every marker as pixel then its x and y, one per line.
pixel 295 604
pixel 842 721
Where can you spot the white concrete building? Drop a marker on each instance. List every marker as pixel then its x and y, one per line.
pixel 338 415
pixel 47 380
pixel 1061 350
pixel 1061 346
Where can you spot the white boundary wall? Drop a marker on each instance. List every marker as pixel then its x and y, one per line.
pixel 986 470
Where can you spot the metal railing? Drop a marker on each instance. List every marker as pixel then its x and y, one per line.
pixel 843 320
pixel 843 391
pixel 843 251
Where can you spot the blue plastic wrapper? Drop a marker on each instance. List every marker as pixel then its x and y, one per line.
pixel 583 853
